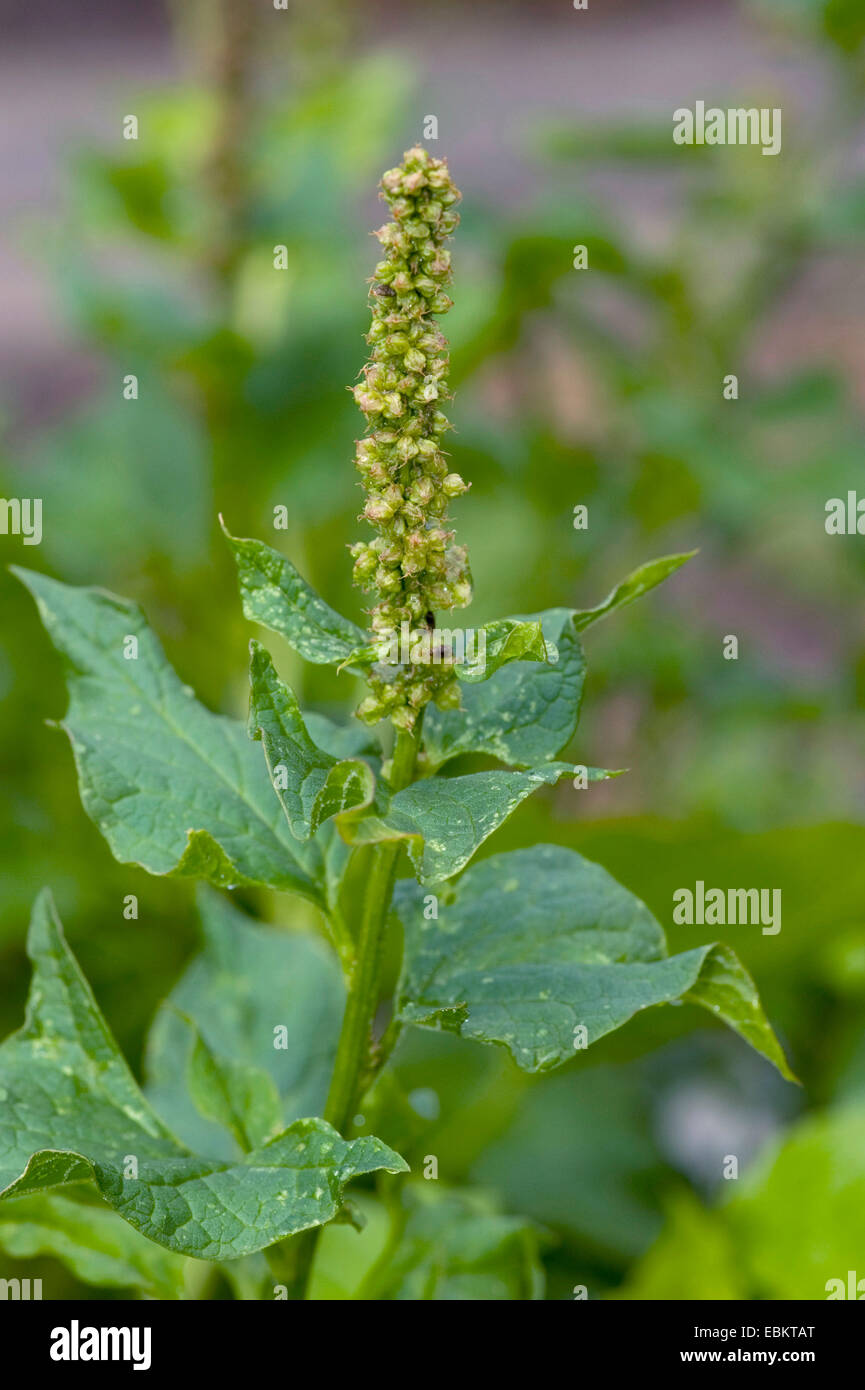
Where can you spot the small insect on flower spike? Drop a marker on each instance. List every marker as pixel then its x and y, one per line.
pixel 411 566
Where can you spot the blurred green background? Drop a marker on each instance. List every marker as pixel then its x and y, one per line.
pixel 602 387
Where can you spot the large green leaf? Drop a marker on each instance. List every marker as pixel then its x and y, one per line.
pixel 260 998
pixel 171 786
pixel 73 1111
pixel 274 594
pixel 92 1241
pixel 311 785
pixel 445 820
pixel 532 945
pixel 525 713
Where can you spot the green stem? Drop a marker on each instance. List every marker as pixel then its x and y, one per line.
pixel 352 1056
pixel 291 1260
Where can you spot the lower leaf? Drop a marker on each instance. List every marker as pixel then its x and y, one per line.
pixel 445 820
pixel 543 952
pixel 72 1110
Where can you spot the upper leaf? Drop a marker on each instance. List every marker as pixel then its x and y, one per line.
pixel 259 997
pixel 633 586
pixel 445 820
pixel 311 785
pixel 73 1111
pixel 533 945
pixel 526 713
pixel 506 640
pixel 275 595
pixel 171 786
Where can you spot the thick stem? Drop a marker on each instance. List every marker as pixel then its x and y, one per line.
pixel 352 1055
pixel 291 1260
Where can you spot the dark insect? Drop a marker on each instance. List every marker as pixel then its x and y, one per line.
pixel 383 292
pixel 430 620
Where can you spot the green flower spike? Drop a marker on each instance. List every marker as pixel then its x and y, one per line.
pixel 411 566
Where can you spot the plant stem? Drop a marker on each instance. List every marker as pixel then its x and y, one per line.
pixel 291 1260
pixel 352 1055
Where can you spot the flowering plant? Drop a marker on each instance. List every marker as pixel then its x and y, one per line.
pixel 264 1063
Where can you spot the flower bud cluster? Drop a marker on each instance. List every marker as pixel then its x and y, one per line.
pixel 411 566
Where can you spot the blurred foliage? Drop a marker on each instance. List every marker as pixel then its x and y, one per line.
pixel 603 389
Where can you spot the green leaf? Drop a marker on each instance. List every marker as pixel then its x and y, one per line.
pixel 639 582
pixel 455 1246
pixel 171 786
pixel 242 1098
pixel 695 1257
pixel 530 946
pixel 260 997
pixel 445 820
pixel 791 1228
pixel 311 785
pixel 73 1111
pixel 525 713
pixel 93 1242
pixel 797 1219
pixel 506 640
pixel 275 595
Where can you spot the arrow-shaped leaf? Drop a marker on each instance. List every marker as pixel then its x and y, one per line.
pixel 527 712
pixel 533 947
pixel 445 820
pixel 171 786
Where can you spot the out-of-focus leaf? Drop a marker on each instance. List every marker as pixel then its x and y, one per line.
pixel 455 1246
pixel 695 1257
pixel 241 1098
pixel 260 997
pixel 96 1244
